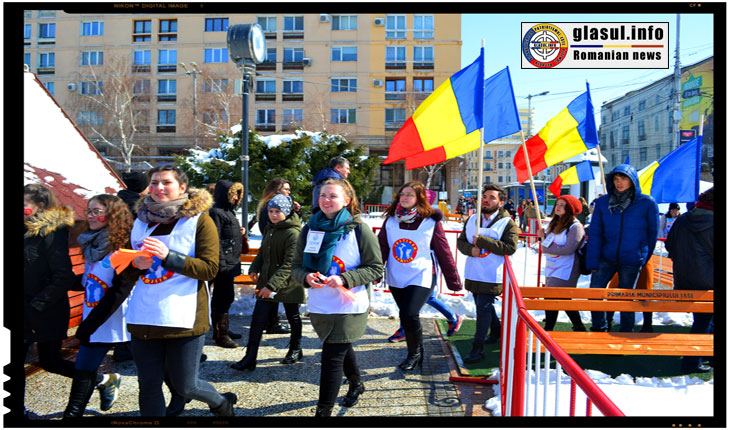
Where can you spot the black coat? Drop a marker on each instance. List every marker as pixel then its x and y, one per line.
pixel 130 198
pixel 229 229
pixel 690 243
pixel 47 275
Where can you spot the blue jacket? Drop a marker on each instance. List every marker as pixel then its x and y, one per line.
pixel 317 180
pixel 624 238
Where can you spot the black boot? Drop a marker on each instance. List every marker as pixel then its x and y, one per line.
pixel 177 405
pixel 477 352
pixel 295 345
pixel 323 411
pixel 551 317
pixel 356 388
pixel 646 327
pixel 226 409
pixel 575 319
pixel 292 356
pixel 233 335
pixel 248 362
pixel 220 331
pixel 82 387
pixel 414 340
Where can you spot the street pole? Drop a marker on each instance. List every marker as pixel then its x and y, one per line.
pixel 194 73
pixel 675 108
pixel 244 149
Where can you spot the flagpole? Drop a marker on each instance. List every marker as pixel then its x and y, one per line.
pixel 532 183
pixel 600 164
pixel 480 174
pixel 699 159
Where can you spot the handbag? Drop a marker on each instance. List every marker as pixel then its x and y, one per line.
pixel 582 251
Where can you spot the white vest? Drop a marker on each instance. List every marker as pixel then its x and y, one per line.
pixel 328 300
pixel 162 297
pixel 558 266
pixel 409 258
pixel 97 280
pixel 487 267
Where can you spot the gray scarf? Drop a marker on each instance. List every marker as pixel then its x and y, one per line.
pixel 620 200
pixel 164 213
pixel 94 244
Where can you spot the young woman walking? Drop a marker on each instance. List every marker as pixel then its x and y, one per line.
pixel 337 257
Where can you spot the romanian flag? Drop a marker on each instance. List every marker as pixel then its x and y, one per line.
pixel 581 172
pixel 676 177
pixel 447 123
pixel 571 132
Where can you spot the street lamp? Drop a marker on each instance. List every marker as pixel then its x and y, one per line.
pixel 194 74
pixel 247 46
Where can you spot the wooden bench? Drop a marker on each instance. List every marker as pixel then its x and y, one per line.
pixel 620 300
pixel 242 280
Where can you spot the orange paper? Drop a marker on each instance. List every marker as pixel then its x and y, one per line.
pixel 121 258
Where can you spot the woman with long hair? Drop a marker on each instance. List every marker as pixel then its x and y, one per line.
pixel 411 238
pixel 109 224
pixel 560 241
pixel 168 313
pixel 337 257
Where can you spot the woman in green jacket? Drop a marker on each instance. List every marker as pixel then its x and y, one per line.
pixel 337 256
pixel 271 269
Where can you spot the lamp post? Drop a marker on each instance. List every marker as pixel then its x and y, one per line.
pixel 247 47
pixel 194 73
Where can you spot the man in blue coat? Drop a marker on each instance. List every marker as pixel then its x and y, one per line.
pixel 338 168
pixel 621 238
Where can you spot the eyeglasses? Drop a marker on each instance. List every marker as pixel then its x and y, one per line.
pixel 406 195
pixel 95 212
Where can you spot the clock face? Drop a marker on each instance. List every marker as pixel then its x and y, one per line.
pixel 258 44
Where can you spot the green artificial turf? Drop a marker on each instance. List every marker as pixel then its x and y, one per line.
pixel 659 366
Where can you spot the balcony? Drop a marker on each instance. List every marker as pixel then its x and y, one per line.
pixel 167 68
pixel 166 128
pixel 393 126
pixel 46 70
pixel 293 35
pixel 270 35
pixel 141 98
pixel 141 68
pixel 265 97
pixel 265 127
pixel 293 65
pixel 395 95
pixel 266 66
pixel 166 98
pixel 292 97
pixel 44 41
pixel 392 65
pixel 424 65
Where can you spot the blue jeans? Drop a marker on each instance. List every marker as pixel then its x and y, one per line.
pixel 486 316
pixel 627 277
pixel 90 356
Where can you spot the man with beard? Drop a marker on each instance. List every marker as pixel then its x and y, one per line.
pixel 485 251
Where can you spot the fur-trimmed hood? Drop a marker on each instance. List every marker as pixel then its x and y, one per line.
pixel 224 193
pixel 48 221
pixel 199 200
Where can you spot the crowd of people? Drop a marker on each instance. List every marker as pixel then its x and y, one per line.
pixel 179 284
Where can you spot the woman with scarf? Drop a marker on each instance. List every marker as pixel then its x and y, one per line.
pixel 168 312
pixel 105 302
pixel 560 241
pixel 271 269
pixel 621 238
pixel 337 257
pixel 412 235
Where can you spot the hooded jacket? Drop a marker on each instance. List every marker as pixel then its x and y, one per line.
pixel 690 243
pixel 47 275
pixel 317 180
pixel 627 237
pixel 229 229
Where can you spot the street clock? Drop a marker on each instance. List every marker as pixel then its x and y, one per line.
pixel 247 42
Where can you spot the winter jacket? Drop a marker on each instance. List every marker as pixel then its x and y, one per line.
pixel 691 247
pixel 274 261
pixel 626 237
pixel 317 180
pixel 229 229
pixel 506 245
pixel 47 275
pixel 583 215
pixel 439 245
pixel 203 267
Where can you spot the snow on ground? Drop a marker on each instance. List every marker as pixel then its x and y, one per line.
pixel 679 396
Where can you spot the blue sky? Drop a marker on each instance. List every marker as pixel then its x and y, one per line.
pixel 502 39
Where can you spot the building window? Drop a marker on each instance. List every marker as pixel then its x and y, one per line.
pixel 344 22
pixel 142 90
pixel 642 130
pixel 642 154
pixel 500 179
pixel 487 155
pixel 91 88
pixel 142 120
pixel 47 60
pixel 293 55
pixel 51 87
pixel 167 60
pixel 624 154
pixel 46 14
pixel 394 118
pixel 90 118
pixel 658 151
pixel 166 90
pixel 642 105
pixel 215 55
pixel 612 141
pixel 142 31
pixel 344 53
pixel 168 30
pixel 423 57
pixel 265 86
pixel 216 24
pixel 627 111
pixel 270 61
pixel 267 23
pixel 95 28
pixel 508 154
pixel 423 85
pixel 92 58
pixel 343 116
pixel 293 23
pixel 292 118
pixel 46 31
pixel 215 86
pixel 343 85
pixel 142 61
pixel 395 89
pixel 211 116
pixel 26 31
pixel 265 119
pixel 292 91
pixel 423 26
pixel 26 59
pixel 395 57
pixel 656 123
pixel 166 121
pixel 625 135
pixel 395 27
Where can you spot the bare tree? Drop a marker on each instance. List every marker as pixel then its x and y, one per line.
pixel 219 106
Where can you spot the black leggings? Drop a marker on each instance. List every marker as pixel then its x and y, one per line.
pixel 337 358
pixel 410 300
pixel 222 293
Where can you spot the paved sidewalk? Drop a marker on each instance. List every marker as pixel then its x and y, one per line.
pixel 277 390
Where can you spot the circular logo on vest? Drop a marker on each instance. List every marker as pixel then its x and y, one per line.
pixel 337 267
pixel 95 290
pixel 405 250
pixel 483 253
pixel 156 273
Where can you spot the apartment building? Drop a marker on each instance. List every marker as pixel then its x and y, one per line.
pixel 361 75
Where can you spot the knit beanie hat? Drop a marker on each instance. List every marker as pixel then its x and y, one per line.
pixel 673 206
pixel 575 206
pixel 281 202
pixel 135 181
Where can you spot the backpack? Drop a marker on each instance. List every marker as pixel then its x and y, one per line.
pixel 582 251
